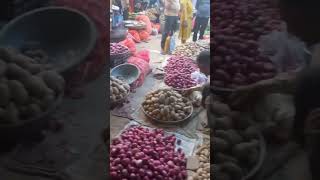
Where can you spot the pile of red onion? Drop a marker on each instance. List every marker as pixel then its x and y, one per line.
pixel 238 26
pixel 116 48
pixel 178 72
pixel 142 153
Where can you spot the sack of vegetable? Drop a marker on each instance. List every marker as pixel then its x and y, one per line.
pixel 144 68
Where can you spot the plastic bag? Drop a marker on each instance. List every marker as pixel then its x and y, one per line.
pixel 129 42
pixel 199 77
pixel 287 53
pixel 167 45
pixel 154 32
pixel 172 44
pixel 143 54
pixel 187 144
pixel 143 66
pixel 135 35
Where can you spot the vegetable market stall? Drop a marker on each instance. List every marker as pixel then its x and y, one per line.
pixel 190 129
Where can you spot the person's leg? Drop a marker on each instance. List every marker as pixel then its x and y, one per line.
pixel 196 29
pixel 125 14
pixel 166 31
pixel 204 24
pixel 174 24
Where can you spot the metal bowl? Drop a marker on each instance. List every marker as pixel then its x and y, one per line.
pixel 66 35
pixel 128 73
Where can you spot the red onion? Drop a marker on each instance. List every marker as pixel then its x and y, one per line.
pixel 238 26
pixel 148 154
pixel 178 72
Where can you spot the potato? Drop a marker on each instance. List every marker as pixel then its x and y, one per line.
pixel 3 67
pixel 5 94
pixel 35 68
pixel 115 90
pixel 12 114
pixel 53 80
pixel 47 100
pixel 16 72
pixel 251 132
pixel 241 151
pixel 35 86
pixel 19 93
pixel 2 113
pixel 221 158
pixel 221 176
pixel 233 169
pixel 223 123
pixel 220 109
pixel 220 145
pixel 7 54
pixel 33 110
pixel 231 136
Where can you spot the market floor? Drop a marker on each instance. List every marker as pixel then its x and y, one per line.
pixel 156 60
pixel 78 149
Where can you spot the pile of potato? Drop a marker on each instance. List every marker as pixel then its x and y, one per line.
pixel 190 49
pixel 167 105
pixel 236 143
pixel 27 88
pixel 151 13
pixel 202 171
pixel 118 89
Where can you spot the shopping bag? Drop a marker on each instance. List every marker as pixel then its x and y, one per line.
pixel 167 45
pixel 172 45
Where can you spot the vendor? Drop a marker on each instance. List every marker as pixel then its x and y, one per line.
pixel 300 17
pixel 203 61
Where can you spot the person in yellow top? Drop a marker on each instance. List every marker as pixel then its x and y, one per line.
pixel 186 20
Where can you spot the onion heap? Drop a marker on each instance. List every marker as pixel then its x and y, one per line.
pixel 142 153
pixel 178 72
pixel 238 26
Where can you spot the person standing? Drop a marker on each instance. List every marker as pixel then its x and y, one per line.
pixel 202 18
pixel 186 20
pixel 125 9
pixel 171 12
